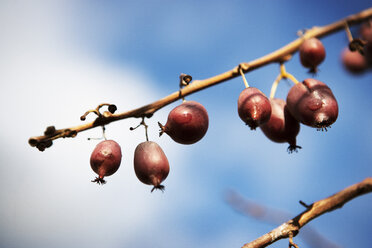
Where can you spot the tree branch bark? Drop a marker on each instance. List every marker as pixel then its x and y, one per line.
pixel 293 226
pixel 280 55
pixel 276 217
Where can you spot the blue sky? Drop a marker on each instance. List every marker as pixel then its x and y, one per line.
pixel 61 58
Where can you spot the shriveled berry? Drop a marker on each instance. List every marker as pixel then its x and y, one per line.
pixel 312 53
pixel 253 107
pixel 187 123
pixel 353 62
pixel 112 108
pixel 105 159
pixel 50 130
pixel 150 164
pixel 313 103
pixel 282 126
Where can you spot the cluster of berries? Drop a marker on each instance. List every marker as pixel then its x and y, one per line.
pixel 310 102
pixel 186 124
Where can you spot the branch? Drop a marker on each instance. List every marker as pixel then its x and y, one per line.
pixel 281 55
pixel 293 226
pixel 275 217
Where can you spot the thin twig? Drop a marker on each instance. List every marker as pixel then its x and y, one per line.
pixel 293 226
pixel 148 110
pixel 275 217
pixel 274 86
pixel 243 76
pixel 348 32
pixel 291 243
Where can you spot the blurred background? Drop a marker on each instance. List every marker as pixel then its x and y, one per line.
pixel 61 58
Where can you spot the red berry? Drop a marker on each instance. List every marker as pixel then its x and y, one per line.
pixel 365 31
pixel 312 103
pixel 282 126
pixel 312 53
pixel 105 159
pixel 354 62
pixel 150 164
pixel 253 107
pixel 187 123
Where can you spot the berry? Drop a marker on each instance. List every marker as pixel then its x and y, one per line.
pixel 150 164
pixel 187 123
pixel 365 31
pixel 105 159
pixel 366 34
pixel 354 62
pixel 312 103
pixel 312 53
pixel 282 126
pixel 253 107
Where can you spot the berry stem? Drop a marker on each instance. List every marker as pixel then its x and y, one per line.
pixel 146 127
pixel 143 123
pixel 291 243
pixel 243 76
pixel 283 74
pixel 348 32
pixel 104 132
pixel 286 74
pixel 292 78
pixel 275 86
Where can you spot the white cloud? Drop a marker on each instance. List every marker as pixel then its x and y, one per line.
pixel 47 199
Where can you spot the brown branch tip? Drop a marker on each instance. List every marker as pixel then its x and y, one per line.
pixel 292 227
